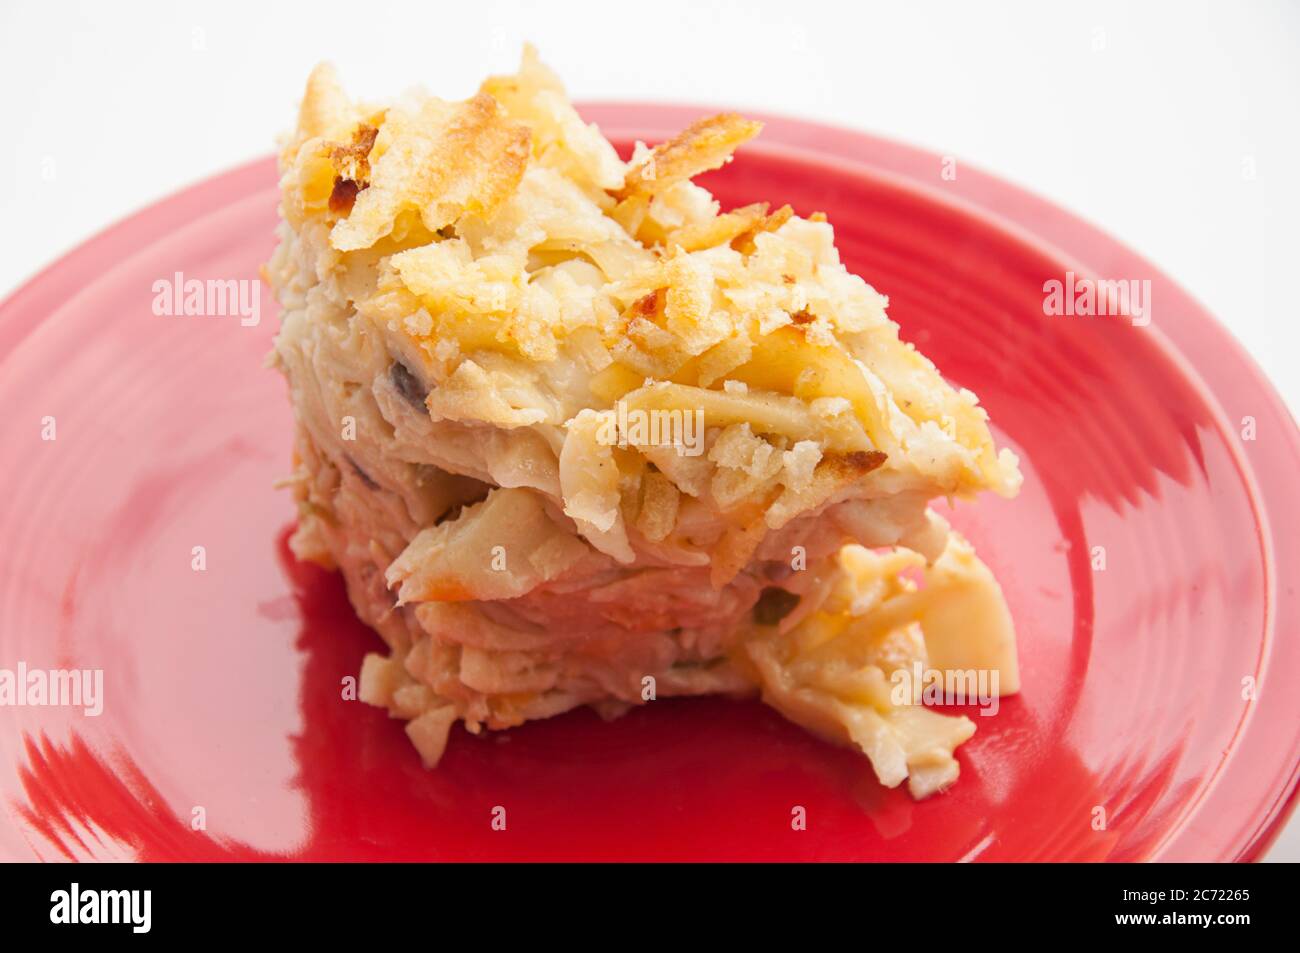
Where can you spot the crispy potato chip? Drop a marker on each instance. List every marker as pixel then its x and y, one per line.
pixel 703 145
pixel 722 230
pixel 443 161
pixel 326 111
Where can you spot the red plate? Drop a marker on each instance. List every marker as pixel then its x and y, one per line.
pixel 223 708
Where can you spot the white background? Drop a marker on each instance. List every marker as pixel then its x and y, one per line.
pixel 1175 126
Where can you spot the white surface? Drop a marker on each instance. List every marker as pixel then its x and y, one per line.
pixel 1147 121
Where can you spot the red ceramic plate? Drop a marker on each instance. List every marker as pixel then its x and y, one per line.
pixel 1159 690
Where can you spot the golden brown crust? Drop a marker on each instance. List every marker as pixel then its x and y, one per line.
pixel 744 242
pixel 721 230
pixel 647 305
pixel 344 195
pixel 484 147
pixel 351 168
pixel 326 110
pixel 857 464
pixel 703 145
pixel 352 161
pixel 441 166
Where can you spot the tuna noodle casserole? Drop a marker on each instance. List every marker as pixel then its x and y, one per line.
pixel 576 436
